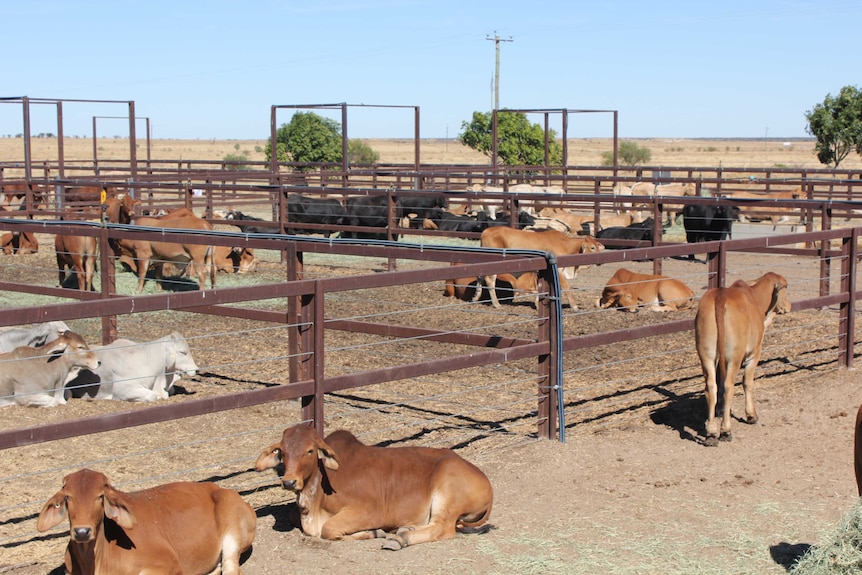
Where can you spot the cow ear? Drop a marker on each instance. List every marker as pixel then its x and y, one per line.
pixel 56 351
pixel 53 512
pixel 327 455
pixel 270 458
pixel 116 509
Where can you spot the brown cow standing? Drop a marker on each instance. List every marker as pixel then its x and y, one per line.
pixel 348 490
pixel 552 241
pixel 79 255
pixel 729 329
pixel 144 253
pixel 174 528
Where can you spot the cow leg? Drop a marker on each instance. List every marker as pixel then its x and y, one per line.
pixel 727 388
pixel 348 526
pixel 748 386
pixel 491 284
pixel 438 528
pixel 711 400
pixel 78 266
pixel 89 272
pixel 566 292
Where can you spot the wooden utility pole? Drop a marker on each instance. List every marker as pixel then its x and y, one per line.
pixel 497 41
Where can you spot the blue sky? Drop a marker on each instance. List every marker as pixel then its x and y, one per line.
pixel 196 69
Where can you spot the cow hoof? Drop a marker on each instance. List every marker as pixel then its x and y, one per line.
pixel 711 441
pixel 752 420
pixel 725 436
pixel 392 544
pixel 379 533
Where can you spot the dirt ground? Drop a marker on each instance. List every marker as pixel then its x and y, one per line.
pixel 637 494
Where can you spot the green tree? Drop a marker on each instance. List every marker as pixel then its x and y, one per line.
pixel 307 138
pixel 518 141
pixel 361 153
pixel 837 125
pixel 629 153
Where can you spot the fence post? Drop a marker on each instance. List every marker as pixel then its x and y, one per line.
pixel 108 278
pixel 547 384
pixel 847 310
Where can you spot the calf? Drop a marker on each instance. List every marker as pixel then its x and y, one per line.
pixel 348 490
pixel 627 290
pixel 242 220
pixel 78 254
pixel 130 371
pixel 447 221
pixel 184 527
pixel 728 335
pixel 465 289
pixel 230 260
pixel 36 376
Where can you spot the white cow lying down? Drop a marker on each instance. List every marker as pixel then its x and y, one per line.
pixel 133 371
pixel 32 336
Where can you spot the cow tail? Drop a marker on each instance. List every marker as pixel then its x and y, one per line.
pixel 720 308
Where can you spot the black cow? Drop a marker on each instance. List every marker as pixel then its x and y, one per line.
pixel 306 210
pixel 372 212
pixel 422 205
pixel 641 231
pixel 237 216
pixel 525 220
pixel 707 223
pixel 448 222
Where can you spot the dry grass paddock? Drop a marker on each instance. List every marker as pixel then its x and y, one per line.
pixel 712 153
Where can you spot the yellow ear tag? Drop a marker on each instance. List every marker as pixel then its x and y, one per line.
pixel 103 195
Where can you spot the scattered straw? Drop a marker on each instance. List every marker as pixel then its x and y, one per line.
pixel 840 553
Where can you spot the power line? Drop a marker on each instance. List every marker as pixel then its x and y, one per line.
pixel 497 41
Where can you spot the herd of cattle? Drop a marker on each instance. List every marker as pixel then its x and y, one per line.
pixel 365 217
pixel 344 488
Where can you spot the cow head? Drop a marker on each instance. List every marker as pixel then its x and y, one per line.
pixel 299 452
pixel 85 498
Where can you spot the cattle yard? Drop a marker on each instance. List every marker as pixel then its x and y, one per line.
pixel 358 334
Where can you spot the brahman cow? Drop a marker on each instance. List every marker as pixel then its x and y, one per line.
pixel 36 335
pixel 230 260
pixel 628 290
pixel 728 335
pixel 78 254
pixel 348 490
pixel 183 527
pixel 748 212
pixel 666 190
pixel 572 220
pixel 552 241
pixel 465 289
pixel 146 253
pixel 35 376
pixel 131 371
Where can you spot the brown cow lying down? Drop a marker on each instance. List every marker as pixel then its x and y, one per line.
pixel 175 528
pixel 465 289
pixel 728 331
pixel 347 490
pixel 627 289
